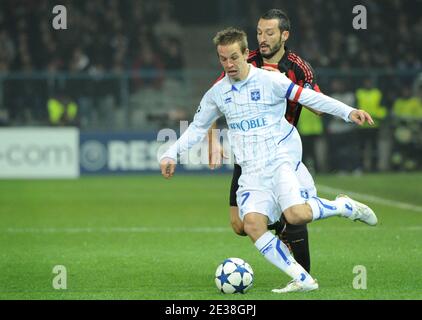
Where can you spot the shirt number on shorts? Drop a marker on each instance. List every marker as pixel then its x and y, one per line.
pixel 246 196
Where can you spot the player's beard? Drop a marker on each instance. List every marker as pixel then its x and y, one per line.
pixel 274 50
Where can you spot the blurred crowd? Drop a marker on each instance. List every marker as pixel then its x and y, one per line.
pixel 121 65
pixel 112 35
pixel 103 38
pixel 322 31
pixel 120 35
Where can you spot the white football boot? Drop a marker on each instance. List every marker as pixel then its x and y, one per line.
pixel 360 211
pixel 297 286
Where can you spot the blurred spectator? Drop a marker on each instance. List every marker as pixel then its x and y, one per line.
pixel 166 25
pixel 343 139
pixel 80 61
pixel 4 117
pixel 7 50
pixel 151 68
pixel 407 128
pixel 172 57
pixel 62 110
pixel 408 106
pixel 370 98
pixel 314 144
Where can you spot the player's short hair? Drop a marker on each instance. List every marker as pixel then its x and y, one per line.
pixel 281 16
pixel 231 35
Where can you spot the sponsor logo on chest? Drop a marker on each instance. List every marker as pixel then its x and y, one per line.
pixel 246 125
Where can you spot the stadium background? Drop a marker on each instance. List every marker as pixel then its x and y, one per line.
pixel 132 68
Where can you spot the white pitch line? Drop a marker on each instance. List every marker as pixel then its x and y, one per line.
pixel 69 230
pixel 119 230
pixel 322 188
pixel 374 199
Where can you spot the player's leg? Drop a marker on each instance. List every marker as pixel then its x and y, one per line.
pixel 296 236
pixel 297 240
pixel 319 208
pixel 236 223
pixel 251 202
pixel 276 252
pixel 279 227
pixel 297 211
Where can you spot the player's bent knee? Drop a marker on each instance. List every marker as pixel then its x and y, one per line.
pixel 236 223
pixel 238 228
pixel 297 214
pixel 249 227
pixel 254 225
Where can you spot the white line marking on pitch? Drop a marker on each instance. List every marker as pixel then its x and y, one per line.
pixel 181 229
pixel 119 230
pixel 374 199
pixel 322 188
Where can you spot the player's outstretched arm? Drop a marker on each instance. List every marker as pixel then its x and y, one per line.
pixel 360 117
pixel 316 112
pixel 167 166
pixel 320 102
pixel 205 116
pixel 215 149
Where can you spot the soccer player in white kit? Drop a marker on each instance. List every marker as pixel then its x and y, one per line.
pixel 267 147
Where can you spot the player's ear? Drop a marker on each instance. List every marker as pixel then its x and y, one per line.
pixel 246 54
pixel 285 35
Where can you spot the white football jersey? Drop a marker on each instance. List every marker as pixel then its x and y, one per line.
pixel 254 109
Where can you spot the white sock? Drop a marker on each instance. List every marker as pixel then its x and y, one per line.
pixel 323 208
pixel 276 252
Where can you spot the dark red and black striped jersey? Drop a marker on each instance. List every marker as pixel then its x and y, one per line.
pixel 296 69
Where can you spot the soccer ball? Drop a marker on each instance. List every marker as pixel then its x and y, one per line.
pixel 234 275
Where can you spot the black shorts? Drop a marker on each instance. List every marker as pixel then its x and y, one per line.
pixel 237 171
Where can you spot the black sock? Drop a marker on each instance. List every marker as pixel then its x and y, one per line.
pixel 279 225
pixel 297 238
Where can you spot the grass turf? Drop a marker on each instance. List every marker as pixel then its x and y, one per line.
pixel 147 238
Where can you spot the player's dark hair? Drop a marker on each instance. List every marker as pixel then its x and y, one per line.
pixel 231 35
pixel 281 16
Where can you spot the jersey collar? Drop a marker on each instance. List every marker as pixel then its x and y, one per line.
pixel 236 86
pixel 283 64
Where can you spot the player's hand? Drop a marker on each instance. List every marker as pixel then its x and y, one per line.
pixel 216 156
pixel 167 166
pixel 360 117
pixel 268 68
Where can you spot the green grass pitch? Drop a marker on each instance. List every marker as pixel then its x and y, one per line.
pixel 148 238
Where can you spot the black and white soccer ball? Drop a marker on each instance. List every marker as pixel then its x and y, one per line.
pixel 234 275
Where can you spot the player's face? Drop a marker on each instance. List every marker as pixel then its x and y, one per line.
pixel 269 37
pixel 234 62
